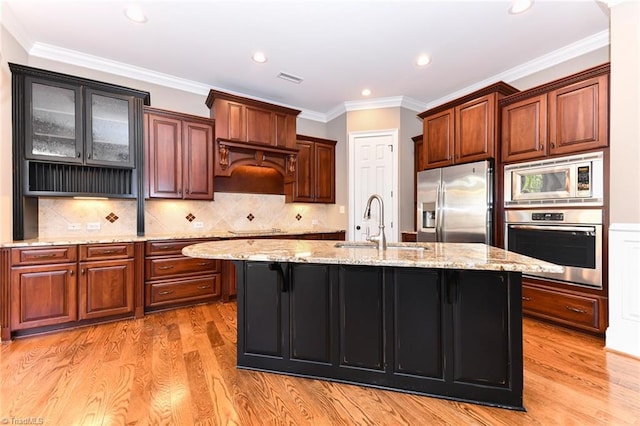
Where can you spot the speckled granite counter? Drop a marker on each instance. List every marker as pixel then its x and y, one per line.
pixel 97 239
pixel 471 256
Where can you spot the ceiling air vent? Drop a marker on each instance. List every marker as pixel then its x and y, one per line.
pixel 289 77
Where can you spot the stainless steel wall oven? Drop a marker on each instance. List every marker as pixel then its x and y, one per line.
pixel 572 238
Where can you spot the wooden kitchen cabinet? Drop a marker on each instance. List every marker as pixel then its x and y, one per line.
pixel 463 130
pixel 64 286
pixel 43 284
pixel 107 280
pixel 172 279
pixel 179 150
pixel 315 171
pixel 576 309
pixel 562 117
pixel 248 120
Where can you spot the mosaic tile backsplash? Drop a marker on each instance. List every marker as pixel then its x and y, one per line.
pixel 230 211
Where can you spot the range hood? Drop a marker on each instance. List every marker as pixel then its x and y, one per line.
pixel 233 154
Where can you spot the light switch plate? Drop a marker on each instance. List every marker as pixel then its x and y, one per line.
pixel 198 225
pixel 74 226
pixel 93 226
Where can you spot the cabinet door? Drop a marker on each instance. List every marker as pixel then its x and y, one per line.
pixel 475 130
pixel 197 142
pixel 418 327
pixel 438 139
pixel 109 129
pixel 260 128
pixel 524 129
pixel 164 157
pixel 578 116
pixel 43 295
pixel 53 121
pixel 106 288
pixel 324 173
pixel 481 329
pixel 304 187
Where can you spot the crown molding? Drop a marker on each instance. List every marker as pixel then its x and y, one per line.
pixel 15 28
pixel 59 54
pixel 556 57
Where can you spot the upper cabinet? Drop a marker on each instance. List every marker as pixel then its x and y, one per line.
pixel 315 172
pixel 179 155
pixel 252 133
pixel 73 137
pixel 59 129
pixel 562 117
pixel 463 130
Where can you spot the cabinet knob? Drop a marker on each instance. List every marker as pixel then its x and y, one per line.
pixel 70 271
pixel 82 270
pixel 540 147
pixel 553 145
pixel 78 154
pixel 88 156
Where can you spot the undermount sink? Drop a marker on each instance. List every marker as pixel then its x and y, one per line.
pixel 390 246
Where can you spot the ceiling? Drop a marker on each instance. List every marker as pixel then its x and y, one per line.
pixel 337 47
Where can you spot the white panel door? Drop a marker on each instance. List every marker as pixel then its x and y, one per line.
pixel 373 173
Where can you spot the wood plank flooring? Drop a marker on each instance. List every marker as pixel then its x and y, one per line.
pixel 178 368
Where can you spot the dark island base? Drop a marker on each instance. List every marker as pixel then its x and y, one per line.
pixel 454 334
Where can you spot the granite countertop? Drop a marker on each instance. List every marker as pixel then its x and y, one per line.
pixel 97 239
pixel 474 256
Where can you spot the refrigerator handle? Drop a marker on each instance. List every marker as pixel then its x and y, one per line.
pixel 439 204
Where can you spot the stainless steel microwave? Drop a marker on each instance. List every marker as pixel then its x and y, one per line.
pixel 562 181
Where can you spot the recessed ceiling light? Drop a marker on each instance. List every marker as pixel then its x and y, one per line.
pixel 135 14
pixel 423 60
pixel 259 57
pixel 366 92
pixel 519 6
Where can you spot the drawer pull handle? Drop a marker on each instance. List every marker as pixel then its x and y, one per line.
pixel 165 248
pixel 204 263
pixel 202 287
pixel 164 293
pixel 44 256
pixel 107 251
pixel 163 268
pixel 576 310
pixel 526 299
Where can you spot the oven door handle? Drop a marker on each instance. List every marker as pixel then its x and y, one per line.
pixel 585 229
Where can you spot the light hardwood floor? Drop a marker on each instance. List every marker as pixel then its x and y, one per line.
pixel 178 368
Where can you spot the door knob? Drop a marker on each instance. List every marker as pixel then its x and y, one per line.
pixel 358 228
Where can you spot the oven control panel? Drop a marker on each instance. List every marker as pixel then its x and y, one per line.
pixel 559 217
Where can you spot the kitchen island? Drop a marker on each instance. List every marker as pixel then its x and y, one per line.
pixel 438 319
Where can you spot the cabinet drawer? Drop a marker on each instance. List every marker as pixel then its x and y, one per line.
pixel 106 251
pixel 169 247
pixel 181 291
pixel 566 308
pixel 178 266
pixel 40 255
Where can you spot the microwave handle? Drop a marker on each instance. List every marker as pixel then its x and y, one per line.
pixel 556 228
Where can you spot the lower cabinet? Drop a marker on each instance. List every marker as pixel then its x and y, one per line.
pixel 172 279
pixel 575 309
pixel 62 285
pixel 457 334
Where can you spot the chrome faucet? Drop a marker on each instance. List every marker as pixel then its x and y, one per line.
pixel 379 238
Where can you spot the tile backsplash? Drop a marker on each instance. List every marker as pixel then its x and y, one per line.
pixel 59 217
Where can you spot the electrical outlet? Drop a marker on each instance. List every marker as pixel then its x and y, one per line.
pixel 93 226
pixel 341 209
pixel 314 221
pixel 74 226
pixel 198 225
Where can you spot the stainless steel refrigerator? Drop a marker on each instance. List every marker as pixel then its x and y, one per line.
pixel 455 204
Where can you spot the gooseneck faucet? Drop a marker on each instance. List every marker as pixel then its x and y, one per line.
pixel 379 238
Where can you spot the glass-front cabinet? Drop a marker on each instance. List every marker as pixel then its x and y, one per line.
pixel 59 129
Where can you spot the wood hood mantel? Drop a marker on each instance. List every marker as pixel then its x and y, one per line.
pixel 232 154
